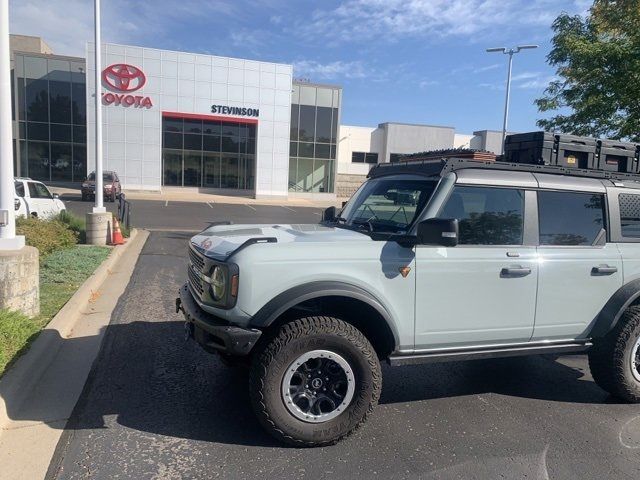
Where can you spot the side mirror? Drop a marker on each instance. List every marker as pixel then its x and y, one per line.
pixel 329 214
pixel 438 231
pixel 56 196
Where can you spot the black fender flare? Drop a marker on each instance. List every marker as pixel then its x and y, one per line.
pixel 308 291
pixel 614 308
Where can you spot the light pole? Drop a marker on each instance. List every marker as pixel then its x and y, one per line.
pixel 510 52
pixel 99 206
pixel 8 238
pixel 99 222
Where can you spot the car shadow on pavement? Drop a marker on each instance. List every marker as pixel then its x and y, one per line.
pixel 555 379
pixel 148 378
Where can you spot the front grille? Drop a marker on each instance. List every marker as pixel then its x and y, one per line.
pixel 195 282
pixel 195 268
pixel 196 260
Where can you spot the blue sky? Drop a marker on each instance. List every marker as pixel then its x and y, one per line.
pixel 414 61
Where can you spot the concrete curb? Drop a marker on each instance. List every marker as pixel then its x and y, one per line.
pixel 17 384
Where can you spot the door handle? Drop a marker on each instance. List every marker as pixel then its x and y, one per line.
pixel 514 272
pixel 603 270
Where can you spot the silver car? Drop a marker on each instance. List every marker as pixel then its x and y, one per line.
pixel 428 262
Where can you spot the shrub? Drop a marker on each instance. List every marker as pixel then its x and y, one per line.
pixel 75 223
pixel 46 235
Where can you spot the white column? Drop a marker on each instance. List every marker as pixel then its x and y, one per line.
pixel 99 206
pixel 8 239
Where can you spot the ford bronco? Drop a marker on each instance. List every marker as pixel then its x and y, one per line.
pixel 427 262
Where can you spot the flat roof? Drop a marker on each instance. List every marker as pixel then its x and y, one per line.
pixel 314 84
pixel 415 125
pixel 55 56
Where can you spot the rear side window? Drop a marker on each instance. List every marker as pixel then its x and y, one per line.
pixel 569 218
pixel 19 189
pixel 629 214
pixel 487 216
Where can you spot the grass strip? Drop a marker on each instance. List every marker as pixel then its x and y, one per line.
pixel 61 274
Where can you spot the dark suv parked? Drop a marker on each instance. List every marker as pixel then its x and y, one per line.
pixel 110 184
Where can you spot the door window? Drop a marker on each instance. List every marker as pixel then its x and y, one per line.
pixel 569 218
pixel 487 216
pixel 38 190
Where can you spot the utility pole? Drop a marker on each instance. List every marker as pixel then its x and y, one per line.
pixel 510 52
pixel 99 222
pixel 8 239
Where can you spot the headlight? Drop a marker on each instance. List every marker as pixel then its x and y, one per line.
pixel 85 185
pixel 218 283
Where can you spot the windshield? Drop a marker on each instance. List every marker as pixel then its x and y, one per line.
pixel 388 204
pixel 106 177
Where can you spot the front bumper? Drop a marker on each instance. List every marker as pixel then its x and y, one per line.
pixel 211 332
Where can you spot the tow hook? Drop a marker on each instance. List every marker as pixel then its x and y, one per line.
pixel 178 304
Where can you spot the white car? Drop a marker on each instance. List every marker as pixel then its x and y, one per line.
pixel 34 198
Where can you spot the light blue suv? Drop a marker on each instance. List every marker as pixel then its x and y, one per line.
pixel 428 262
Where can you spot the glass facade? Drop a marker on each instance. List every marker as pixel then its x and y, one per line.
pixel 208 154
pixel 49 105
pixel 315 112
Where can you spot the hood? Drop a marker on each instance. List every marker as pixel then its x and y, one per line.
pixel 220 241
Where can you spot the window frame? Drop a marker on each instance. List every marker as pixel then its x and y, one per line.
pixel 606 217
pixel 529 210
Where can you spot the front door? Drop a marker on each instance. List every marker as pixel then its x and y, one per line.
pixel 579 271
pixel 482 291
pixel 41 200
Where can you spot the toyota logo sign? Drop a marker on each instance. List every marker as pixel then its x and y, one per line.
pixel 123 77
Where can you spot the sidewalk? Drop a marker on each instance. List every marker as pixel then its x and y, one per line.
pixel 38 394
pixel 179 195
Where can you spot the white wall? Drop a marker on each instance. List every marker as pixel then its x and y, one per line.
pixel 356 139
pixel 462 141
pixel 191 83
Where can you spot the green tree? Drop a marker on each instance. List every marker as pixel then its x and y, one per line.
pixel 597 60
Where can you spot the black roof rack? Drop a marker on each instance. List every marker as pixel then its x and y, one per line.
pixel 441 167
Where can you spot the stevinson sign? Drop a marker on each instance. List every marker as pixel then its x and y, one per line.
pixel 227 110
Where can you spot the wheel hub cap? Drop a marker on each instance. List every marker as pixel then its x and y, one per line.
pixel 635 360
pixel 318 386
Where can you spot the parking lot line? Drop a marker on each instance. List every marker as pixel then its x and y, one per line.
pixel 166 203
pixel 209 203
pixel 317 213
pixel 288 208
pixel 247 205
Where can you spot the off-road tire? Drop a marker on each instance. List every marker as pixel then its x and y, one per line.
pixel 610 358
pixel 276 355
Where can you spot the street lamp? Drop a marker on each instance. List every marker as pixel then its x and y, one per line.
pixel 510 52
pixel 99 206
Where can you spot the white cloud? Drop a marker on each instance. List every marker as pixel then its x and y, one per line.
pixel 393 19
pixel 331 70
pixel 486 68
pixel 66 25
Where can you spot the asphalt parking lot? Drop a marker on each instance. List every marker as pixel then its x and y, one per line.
pixel 156 406
pixel 163 215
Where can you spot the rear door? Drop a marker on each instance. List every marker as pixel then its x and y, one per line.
pixel 579 269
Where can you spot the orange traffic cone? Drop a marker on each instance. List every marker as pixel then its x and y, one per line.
pixel 117 238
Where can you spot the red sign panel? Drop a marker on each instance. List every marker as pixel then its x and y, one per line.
pixel 123 77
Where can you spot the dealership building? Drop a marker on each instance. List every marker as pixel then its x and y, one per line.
pixel 175 120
